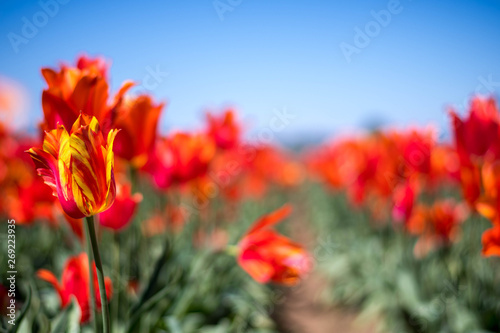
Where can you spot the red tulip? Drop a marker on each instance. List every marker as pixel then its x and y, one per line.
pixel 404 198
pixel 270 257
pixel 478 135
pixel 179 158
pixel 224 129
pixel 121 212
pixel 75 282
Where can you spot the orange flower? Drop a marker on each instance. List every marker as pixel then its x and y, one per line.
pixel 75 282
pixel 491 242
pixel 73 90
pixel 138 120
pixel 180 158
pixel 97 65
pixel 436 226
pixel 224 129
pixel 489 204
pixel 78 167
pixel 270 257
pixel 121 212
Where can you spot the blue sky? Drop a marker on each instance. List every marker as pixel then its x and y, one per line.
pixel 264 56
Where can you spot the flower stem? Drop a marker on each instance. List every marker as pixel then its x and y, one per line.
pixel 100 274
pixel 93 307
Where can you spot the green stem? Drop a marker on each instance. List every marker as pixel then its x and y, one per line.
pixel 100 274
pixel 93 307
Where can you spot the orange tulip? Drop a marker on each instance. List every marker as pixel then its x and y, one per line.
pixel 491 242
pixel 75 90
pixel 78 166
pixel 437 225
pixel 75 282
pixel 180 158
pixel 138 120
pixel 270 257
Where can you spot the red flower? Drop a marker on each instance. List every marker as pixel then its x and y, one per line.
pixel 75 282
pixel 270 257
pixel 121 212
pixel 479 134
pixel 180 158
pixel 416 150
pixel 404 198
pixel 224 129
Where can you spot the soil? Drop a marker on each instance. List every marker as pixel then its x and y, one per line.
pixel 300 312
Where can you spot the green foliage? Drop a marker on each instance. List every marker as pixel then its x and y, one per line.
pixel 373 268
pixel 182 288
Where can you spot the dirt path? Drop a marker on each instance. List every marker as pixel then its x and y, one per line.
pixel 301 313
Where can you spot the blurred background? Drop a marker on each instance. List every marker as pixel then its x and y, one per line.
pixel 334 65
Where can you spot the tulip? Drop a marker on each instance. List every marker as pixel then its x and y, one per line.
pixel 78 166
pixel 138 120
pixel 270 257
pixel 75 90
pixel 224 129
pixel 121 212
pixel 478 135
pixel 491 242
pixel 180 158
pixel 437 225
pixel 75 282
pixel 404 198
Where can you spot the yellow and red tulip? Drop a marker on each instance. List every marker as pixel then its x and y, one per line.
pixel 78 166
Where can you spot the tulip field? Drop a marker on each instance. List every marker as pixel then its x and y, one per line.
pixel 111 225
